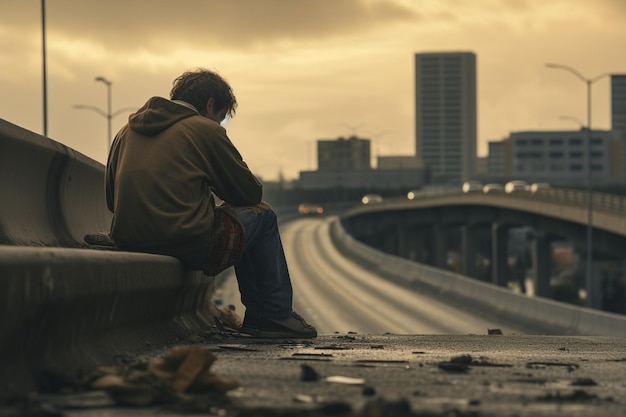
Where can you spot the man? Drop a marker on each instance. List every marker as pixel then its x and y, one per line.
pixel 163 169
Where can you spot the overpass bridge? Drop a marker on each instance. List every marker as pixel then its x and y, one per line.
pixel 477 226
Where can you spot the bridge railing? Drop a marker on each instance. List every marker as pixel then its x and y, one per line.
pixel 570 196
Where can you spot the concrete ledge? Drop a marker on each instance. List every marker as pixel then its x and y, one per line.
pixel 72 309
pixel 51 194
pixel 532 312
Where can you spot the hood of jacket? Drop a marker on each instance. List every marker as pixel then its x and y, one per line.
pixel 158 114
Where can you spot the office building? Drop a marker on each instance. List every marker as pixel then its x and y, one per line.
pixel 345 163
pixel 496 159
pixel 445 115
pixel 618 104
pixel 618 112
pixel 560 157
pixel 343 154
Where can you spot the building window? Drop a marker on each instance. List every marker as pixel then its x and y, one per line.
pixel 556 141
pixel 556 155
pixel 576 167
pixel 575 154
pixel 575 141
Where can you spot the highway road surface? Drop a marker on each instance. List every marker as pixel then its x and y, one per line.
pixel 337 295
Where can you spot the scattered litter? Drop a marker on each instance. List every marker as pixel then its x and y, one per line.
pixel 491 364
pixel 324 355
pixel 377 347
pixel 461 359
pixel 338 379
pixel 584 382
pixel 380 361
pixel 226 318
pixel 333 347
pixel 237 347
pixel 308 373
pixel 541 365
pixel 307 358
pixel 369 391
pixel 459 367
pixel 494 331
pixel 302 398
pixel 183 370
pixel 462 363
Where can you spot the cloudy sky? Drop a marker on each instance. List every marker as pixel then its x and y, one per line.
pixel 304 70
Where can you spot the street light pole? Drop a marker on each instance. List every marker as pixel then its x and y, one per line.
pixel 108 114
pixel 592 296
pixel 44 68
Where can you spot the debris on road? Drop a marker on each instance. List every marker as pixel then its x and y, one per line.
pixel 182 370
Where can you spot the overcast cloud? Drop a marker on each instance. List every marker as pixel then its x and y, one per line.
pixel 304 70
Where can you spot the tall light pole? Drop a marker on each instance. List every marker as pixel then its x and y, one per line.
pixel 108 114
pixel 592 296
pixel 44 68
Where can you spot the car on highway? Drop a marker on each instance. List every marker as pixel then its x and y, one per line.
pixel 538 186
pixel 515 186
pixel 412 195
pixel 307 209
pixel 472 186
pixel 493 188
pixel 372 199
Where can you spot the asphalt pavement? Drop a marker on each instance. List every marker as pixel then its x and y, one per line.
pixel 388 375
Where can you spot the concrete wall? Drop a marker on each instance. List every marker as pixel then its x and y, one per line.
pixel 66 307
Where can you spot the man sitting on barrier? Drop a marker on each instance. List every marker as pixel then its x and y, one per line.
pixel 163 170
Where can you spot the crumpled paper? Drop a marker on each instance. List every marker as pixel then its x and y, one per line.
pixel 181 371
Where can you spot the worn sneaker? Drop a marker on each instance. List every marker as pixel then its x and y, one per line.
pixel 292 327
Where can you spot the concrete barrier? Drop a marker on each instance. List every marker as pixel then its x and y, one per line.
pixel 536 313
pixel 66 307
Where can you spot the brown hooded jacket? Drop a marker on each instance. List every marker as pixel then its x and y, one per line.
pixel 162 167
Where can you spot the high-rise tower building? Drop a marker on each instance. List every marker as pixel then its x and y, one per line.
pixel 618 104
pixel 445 115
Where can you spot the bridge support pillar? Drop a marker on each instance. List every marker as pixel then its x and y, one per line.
pixel 593 285
pixel 401 245
pixel 468 250
pixel 541 265
pixel 499 254
pixel 439 247
pixel 391 240
pixel 411 243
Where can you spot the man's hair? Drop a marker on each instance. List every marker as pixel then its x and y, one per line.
pixel 197 86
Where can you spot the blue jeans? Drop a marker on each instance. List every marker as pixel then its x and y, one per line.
pixel 262 273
